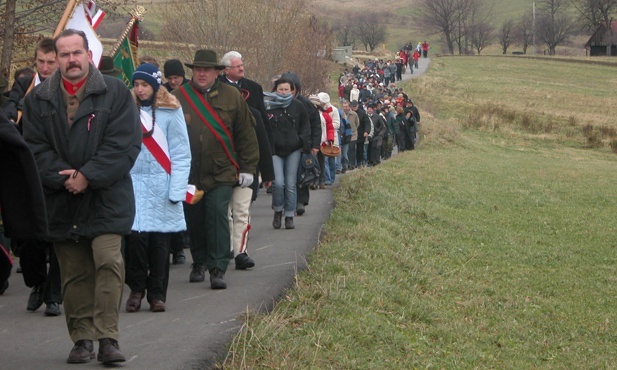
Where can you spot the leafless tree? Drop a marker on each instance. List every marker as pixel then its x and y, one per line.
pixel 555 26
pixel 524 31
pixel 285 36
pixel 506 35
pixel 596 12
pixel 344 33
pixel 369 30
pixel 481 34
pixel 438 17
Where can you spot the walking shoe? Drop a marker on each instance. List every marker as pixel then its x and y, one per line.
pixel 276 223
pixel 179 258
pixel 300 209
pixel 53 309
pixel 289 223
pixel 4 286
pixel 322 186
pixel 243 262
pixel 198 273
pixel 109 351
pixel 35 300
pixel 133 304
pixel 82 352
pixel 156 305
pixel 216 279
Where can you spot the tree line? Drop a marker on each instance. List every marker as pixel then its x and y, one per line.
pixel 466 26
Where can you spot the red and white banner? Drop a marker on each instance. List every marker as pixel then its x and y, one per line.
pixel 80 21
pixel 95 16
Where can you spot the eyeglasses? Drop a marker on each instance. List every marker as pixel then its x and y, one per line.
pixel 238 66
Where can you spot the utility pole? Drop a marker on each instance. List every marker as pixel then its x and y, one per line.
pixel 533 27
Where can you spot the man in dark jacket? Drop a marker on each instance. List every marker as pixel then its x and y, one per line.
pixel 45 58
pixel 174 73
pixel 365 129
pixel 83 129
pixel 241 197
pixel 224 153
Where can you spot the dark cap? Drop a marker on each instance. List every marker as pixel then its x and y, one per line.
pixel 173 67
pixel 353 103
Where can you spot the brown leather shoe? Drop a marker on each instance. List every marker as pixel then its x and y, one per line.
pixel 82 352
pixel 109 351
pixel 133 304
pixel 157 305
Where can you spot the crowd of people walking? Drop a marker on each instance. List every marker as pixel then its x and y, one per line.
pixel 129 178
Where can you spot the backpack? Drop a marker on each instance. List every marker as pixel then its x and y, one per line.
pixel 345 129
pixel 308 171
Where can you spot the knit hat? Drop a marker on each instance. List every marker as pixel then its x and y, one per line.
pixel 324 98
pixel 173 67
pixel 149 73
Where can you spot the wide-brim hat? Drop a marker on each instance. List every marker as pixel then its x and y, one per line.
pixel 107 66
pixel 206 59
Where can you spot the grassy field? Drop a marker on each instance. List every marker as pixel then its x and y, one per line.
pixel 484 248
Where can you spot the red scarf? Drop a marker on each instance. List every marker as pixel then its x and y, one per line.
pixel 329 125
pixel 73 88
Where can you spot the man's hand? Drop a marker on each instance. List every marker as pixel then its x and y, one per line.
pixel 314 151
pixel 76 183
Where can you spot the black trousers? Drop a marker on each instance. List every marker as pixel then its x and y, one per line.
pixel 146 263
pixel 33 262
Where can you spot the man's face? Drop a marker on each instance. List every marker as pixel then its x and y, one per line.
pixel 346 107
pixel 369 110
pixel 204 77
pixel 354 108
pixel 235 71
pixel 73 58
pixel 46 63
pixel 175 81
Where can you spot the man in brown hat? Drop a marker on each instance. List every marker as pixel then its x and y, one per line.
pixel 224 153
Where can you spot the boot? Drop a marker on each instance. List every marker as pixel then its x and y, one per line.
pixel 109 351
pixel 289 223
pixel 276 223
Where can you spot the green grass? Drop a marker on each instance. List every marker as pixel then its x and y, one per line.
pixel 481 249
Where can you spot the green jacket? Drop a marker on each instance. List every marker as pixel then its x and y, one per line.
pixel 210 166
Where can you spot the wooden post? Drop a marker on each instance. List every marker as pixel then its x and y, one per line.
pixel 68 13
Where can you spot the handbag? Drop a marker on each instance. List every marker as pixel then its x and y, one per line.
pixel 329 150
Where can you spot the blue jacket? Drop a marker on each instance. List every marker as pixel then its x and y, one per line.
pixel 159 196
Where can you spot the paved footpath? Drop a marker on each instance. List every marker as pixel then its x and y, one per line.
pixel 199 322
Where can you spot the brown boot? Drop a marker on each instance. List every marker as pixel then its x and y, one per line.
pixel 82 352
pixel 156 305
pixel 133 304
pixel 109 351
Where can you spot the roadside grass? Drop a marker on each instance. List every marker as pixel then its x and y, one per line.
pixel 483 253
pixel 490 246
pixel 569 102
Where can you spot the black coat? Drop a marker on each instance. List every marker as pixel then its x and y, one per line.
pixel 15 99
pixel 102 143
pixel 21 194
pixel 314 121
pixel 291 128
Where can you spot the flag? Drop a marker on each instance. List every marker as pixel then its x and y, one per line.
pixel 95 16
pixel 79 21
pixel 125 51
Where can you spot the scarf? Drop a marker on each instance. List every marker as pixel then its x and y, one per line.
pixel 273 100
pixel 329 126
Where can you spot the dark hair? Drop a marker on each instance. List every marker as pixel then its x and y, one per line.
pixel 46 46
pixel 283 80
pixel 148 59
pixel 25 71
pixel 70 32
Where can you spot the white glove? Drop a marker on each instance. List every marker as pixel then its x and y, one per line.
pixel 245 180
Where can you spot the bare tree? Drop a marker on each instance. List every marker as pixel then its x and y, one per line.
pixel 438 17
pixel 284 37
pixel 596 12
pixel 344 33
pixel 524 31
pixel 481 35
pixel 506 35
pixel 555 25
pixel 369 30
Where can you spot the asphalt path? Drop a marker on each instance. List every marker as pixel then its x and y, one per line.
pixel 199 322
